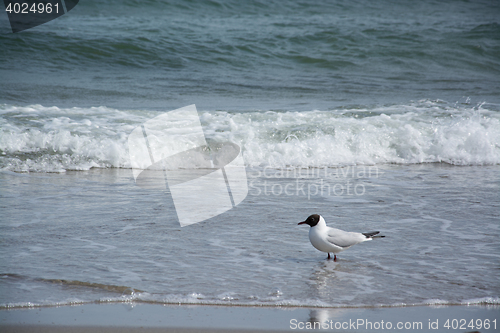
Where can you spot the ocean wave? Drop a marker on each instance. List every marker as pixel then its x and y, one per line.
pixel 190 300
pixel 50 139
pixel 111 293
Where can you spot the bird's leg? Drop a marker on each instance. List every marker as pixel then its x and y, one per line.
pixel 334 257
pixel 329 256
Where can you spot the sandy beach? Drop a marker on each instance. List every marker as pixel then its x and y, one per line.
pixel 143 317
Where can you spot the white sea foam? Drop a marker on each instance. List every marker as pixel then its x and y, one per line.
pixel 202 300
pixel 51 139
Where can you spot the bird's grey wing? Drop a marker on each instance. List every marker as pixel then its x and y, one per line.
pixel 343 238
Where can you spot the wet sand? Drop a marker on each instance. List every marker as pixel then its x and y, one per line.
pixel 144 317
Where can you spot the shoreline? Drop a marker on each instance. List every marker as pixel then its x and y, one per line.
pixel 137 317
pixel 135 302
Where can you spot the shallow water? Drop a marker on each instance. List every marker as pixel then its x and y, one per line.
pixel 110 240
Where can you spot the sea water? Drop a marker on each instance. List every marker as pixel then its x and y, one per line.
pixel 76 228
pixel 379 118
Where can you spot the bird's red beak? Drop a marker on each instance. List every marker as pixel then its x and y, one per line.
pixel 302 223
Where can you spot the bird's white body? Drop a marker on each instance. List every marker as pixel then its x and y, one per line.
pixel 333 240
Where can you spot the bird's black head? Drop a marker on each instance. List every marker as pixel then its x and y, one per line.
pixel 312 220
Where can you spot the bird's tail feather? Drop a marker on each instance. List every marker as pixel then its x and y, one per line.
pixel 372 234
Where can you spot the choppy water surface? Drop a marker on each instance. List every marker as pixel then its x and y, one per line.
pixel 95 236
pixel 53 139
pixel 300 55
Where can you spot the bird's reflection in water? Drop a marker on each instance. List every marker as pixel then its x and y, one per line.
pixel 325 318
pixel 318 317
pixel 341 282
pixel 324 274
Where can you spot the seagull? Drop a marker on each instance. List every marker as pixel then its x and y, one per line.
pixel 328 239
